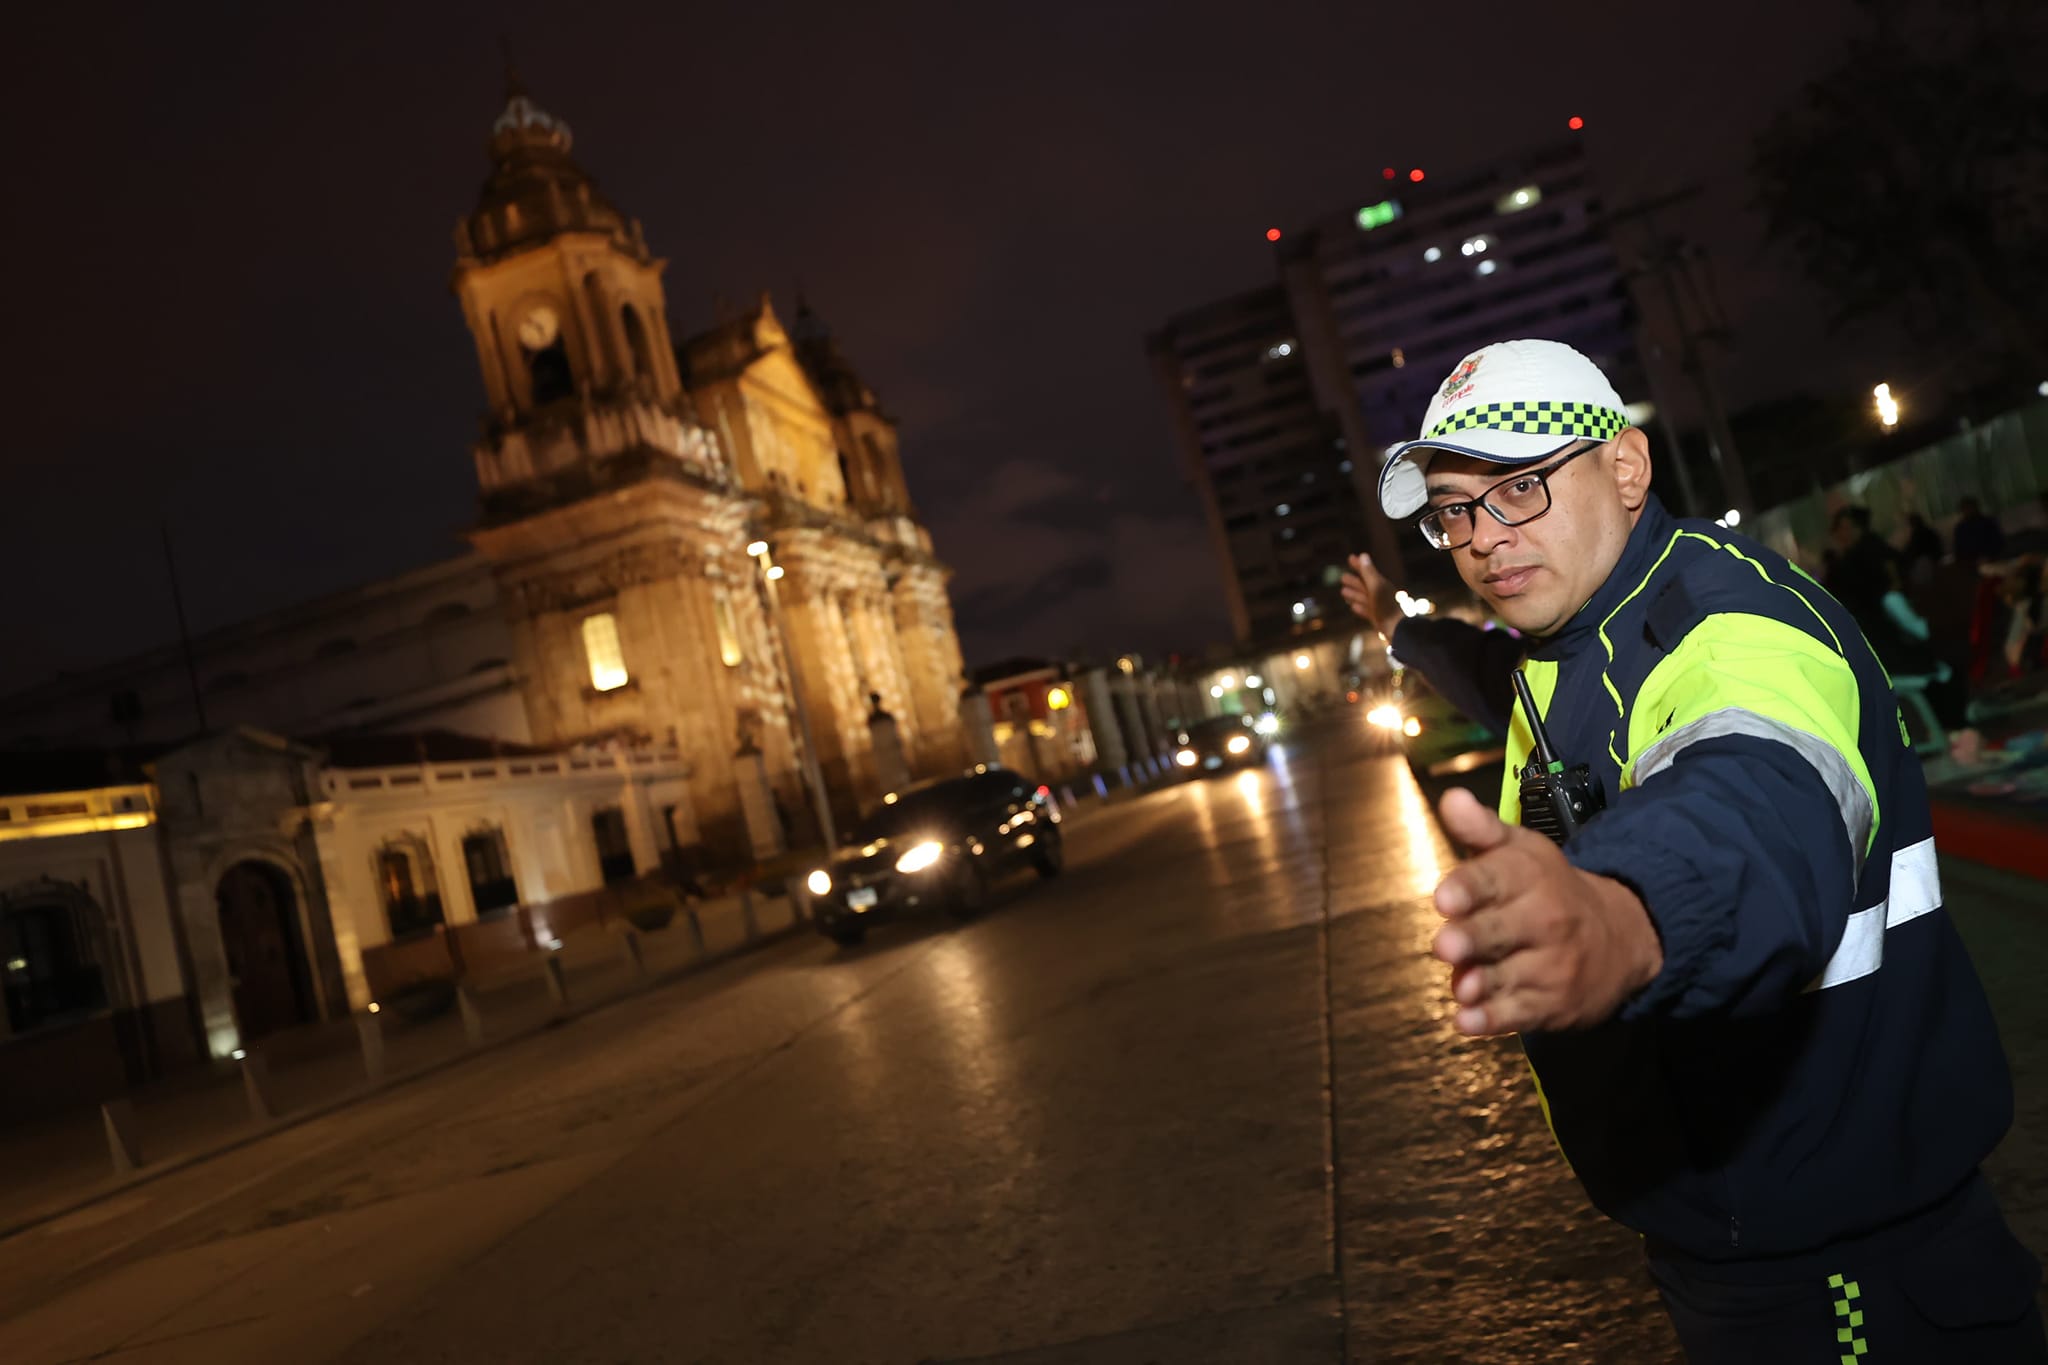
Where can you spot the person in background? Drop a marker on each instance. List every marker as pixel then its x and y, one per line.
pixel 1921 554
pixel 1869 580
pixel 1978 537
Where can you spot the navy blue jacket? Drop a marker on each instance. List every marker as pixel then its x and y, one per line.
pixel 1817 1059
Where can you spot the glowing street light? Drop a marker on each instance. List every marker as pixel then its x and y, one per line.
pixel 1253 680
pixel 1887 406
pixel 1058 699
pixel 1227 681
pixel 1302 661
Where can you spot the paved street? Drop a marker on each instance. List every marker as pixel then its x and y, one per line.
pixel 1198 1101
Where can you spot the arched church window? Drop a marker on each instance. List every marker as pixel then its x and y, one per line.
pixel 490 870
pixel 547 359
pixel 636 337
pixel 601 649
pixel 614 846
pixel 548 370
pixel 407 886
pixel 46 971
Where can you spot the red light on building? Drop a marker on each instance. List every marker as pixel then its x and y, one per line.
pixel 1389 173
pixel 1416 175
pixel 1576 123
pixel 1272 234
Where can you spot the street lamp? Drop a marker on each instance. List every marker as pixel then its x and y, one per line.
pixel 1887 406
pixel 771 572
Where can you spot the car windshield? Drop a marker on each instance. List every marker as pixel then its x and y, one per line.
pixel 933 808
pixel 1215 728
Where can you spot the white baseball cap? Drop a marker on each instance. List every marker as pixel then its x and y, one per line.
pixel 1514 403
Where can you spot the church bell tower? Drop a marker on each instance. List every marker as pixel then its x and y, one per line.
pixel 609 513
pixel 566 306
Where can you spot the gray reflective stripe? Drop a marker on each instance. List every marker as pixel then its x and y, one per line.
pixel 1851 801
pixel 1915 890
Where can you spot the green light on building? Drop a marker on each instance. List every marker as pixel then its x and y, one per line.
pixel 1378 215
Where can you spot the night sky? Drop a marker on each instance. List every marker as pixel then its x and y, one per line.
pixel 229 245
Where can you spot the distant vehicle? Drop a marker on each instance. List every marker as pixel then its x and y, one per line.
pixel 937 845
pixel 1219 743
pixel 1443 746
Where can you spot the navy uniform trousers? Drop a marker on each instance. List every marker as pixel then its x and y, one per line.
pixel 1952 1287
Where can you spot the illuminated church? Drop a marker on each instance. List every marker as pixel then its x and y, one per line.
pixel 677 546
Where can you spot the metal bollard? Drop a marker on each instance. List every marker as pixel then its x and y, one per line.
pixel 558 983
pixel 472 1017
pixel 629 947
pixel 1101 788
pixel 118 1118
pixel 256 1087
pixel 370 1033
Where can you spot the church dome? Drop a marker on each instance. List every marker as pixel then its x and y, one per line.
pixel 536 190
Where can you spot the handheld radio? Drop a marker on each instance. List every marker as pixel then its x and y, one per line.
pixel 1556 800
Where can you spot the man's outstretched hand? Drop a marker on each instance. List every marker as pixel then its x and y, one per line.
pixel 1533 943
pixel 1370 596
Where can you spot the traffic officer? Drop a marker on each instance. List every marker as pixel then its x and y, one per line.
pixel 1755 1033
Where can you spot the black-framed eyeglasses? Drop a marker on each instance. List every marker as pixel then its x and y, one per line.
pixel 1521 497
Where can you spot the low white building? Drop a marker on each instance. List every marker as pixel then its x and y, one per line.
pixel 244 884
pixel 90 965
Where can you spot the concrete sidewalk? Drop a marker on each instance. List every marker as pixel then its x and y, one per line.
pixel 53 1167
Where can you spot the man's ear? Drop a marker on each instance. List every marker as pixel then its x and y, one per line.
pixel 1632 468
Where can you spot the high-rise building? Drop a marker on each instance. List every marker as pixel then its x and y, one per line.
pixel 1284 399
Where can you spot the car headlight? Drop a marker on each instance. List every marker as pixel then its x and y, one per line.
pixel 1239 743
pixel 1411 727
pixel 1186 758
pixel 1268 724
pixel 820 883
pixel 1384 716
pixel 921 857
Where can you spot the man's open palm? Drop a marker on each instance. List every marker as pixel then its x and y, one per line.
pixel 1534 944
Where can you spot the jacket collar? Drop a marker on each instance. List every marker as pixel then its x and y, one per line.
pixel 1652 532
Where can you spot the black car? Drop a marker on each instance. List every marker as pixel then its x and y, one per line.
pixel 1219 742
pixel 936 845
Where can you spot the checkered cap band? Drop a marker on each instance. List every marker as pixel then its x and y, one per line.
pixel 1584 420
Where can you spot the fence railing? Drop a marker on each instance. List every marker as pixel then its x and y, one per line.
pixel 2003 463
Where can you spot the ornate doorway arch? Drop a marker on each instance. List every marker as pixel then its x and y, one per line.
pixel 266 954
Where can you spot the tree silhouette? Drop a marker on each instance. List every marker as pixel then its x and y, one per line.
pixel 1912 179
